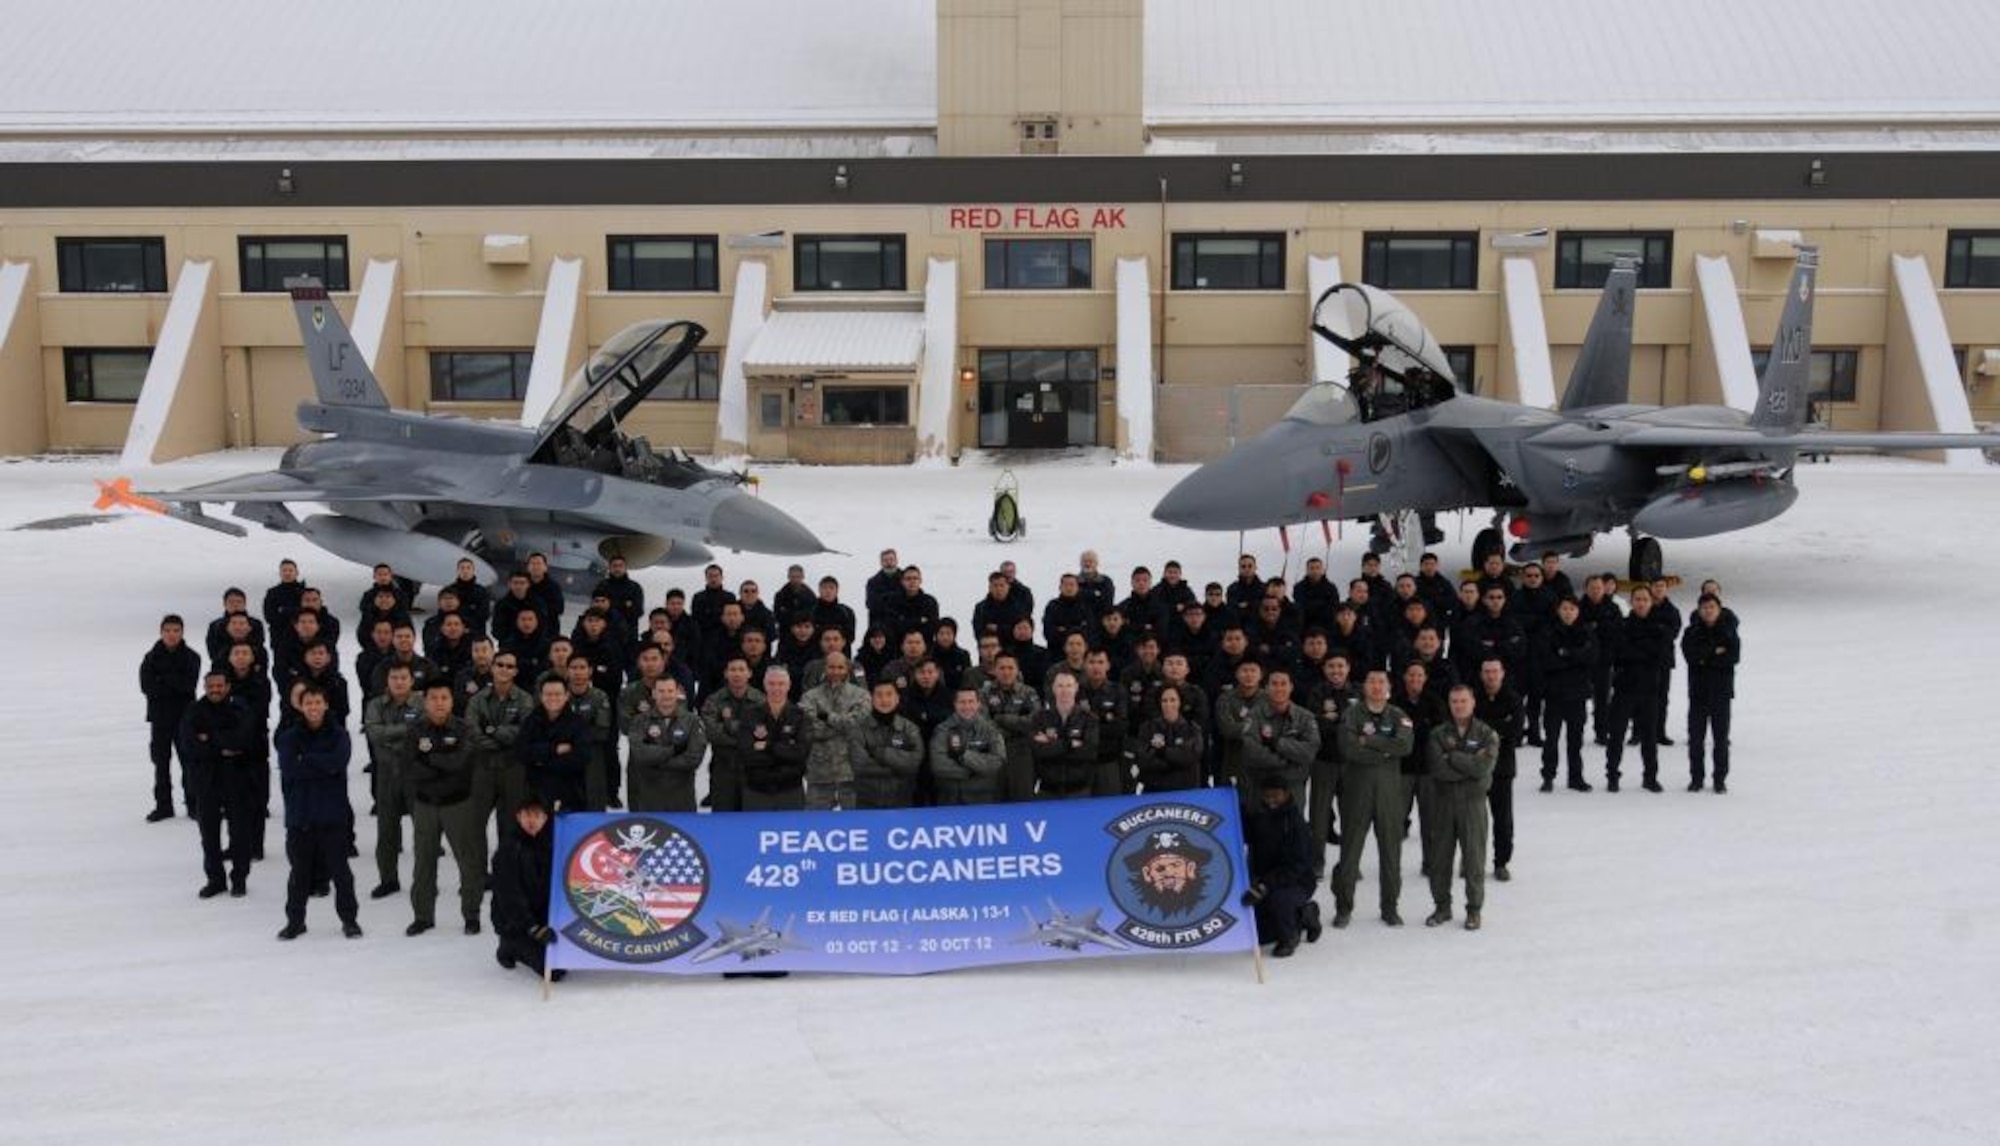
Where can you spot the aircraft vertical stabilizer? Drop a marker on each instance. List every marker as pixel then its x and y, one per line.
pixel 340 374
pixel 1787 379
pixel 1602 375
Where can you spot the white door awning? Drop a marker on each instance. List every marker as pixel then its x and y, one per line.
pixel 830 341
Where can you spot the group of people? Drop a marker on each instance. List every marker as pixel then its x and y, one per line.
pixel 1335 714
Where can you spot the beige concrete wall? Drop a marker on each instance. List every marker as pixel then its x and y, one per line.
pixel 450 298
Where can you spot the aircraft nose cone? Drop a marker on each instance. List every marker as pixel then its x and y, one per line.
pixel 743 522
pixel 1230 492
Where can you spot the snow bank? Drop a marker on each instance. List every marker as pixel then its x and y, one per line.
pixel 1135 363
pixel 1528 333
pixel 746 318
pixel 1930 341
pixel 938 385
pixel 1727 335
pixel 556 339
pixel 193 295
pixel 1329 362
pixel 372 308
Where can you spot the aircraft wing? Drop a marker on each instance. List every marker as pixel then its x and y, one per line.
pixel 278 486
pixel 1806 441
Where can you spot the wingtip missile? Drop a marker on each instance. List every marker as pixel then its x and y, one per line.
pixel 117 494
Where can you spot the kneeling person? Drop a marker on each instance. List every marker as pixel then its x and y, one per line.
pixel 1281 875
pixel 521 889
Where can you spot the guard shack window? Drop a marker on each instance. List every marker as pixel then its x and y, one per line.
pixel 267 261
pixel 1972 259
pixel 90 266
pixel 1229 262
pixel 848 262
pixel 1421 262
pixel 1584 258
pixel 866 406
pixel 97 375
pixel 662 262
pixel 1038 264
pixel 479 375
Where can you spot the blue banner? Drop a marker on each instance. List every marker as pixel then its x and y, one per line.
pixel 900 892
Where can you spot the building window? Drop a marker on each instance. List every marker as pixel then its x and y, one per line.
pixel 1038 264
pixel 1972 259
pixel 479 375
pixel 848 262
pixel 1229 262
pixel 85 266
pixel 1460 359
pixel 696 378
pixel 865 405
pixel 1421 262
pixel 1834 373
pixel 105 375
pixel 1583 258
pixel 267 261
pixel 662 262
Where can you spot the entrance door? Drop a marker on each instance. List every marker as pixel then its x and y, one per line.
pixel 770 422
pixel 1037 415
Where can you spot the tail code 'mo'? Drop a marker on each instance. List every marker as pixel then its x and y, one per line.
pixel 1782 391
pixel 340 375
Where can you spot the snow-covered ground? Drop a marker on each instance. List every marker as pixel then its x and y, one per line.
pixel 1810 958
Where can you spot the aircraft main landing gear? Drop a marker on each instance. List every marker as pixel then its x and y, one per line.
pixel 1648 563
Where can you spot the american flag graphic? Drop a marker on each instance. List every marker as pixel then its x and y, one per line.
pixel 641 892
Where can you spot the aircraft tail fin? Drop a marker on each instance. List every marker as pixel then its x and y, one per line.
pixel 1602 375
pixel 340 375
pixel 1787 379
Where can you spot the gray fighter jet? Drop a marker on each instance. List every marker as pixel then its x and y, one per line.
pixel 1068 932
pixel 421 492
pixel 1399 439
pixel 756 941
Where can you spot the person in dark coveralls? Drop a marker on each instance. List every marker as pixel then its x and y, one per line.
pixel 1281 878
pixel 667 743
pixel 521 869
pixel 1566 661
pixel 1375 737
pixel 219 737
pixel 1064 744
pixel 1459 765
pixel 312 769
pixel 1712 649
pixel 1167 750
pixel 773 742
pixel 554 746
pixel 437 766
pixel 1500 708
pixel 168 677
pixel 1641 647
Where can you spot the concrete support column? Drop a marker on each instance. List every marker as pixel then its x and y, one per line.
pixel 1919 348
pixel 378 328
pixel 937 384
pixel 746 319
pixel 1329 362
pixel 1525 373
pixel 1135 362
pixel 559 340
pixel 1719 367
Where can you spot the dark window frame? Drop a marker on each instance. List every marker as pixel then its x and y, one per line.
pixel 332 282
pixel 1656 272
pixel 71 266
pixel 1842 386
pixel 1958 260
pixel 1469 353
pixel 1187 259
pixel 893 269
pixel 887 392
pixel 622 268
pixel 1464 258
pixel 998 251
pixel 79 372
pixel 443 385
pixel 707 367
